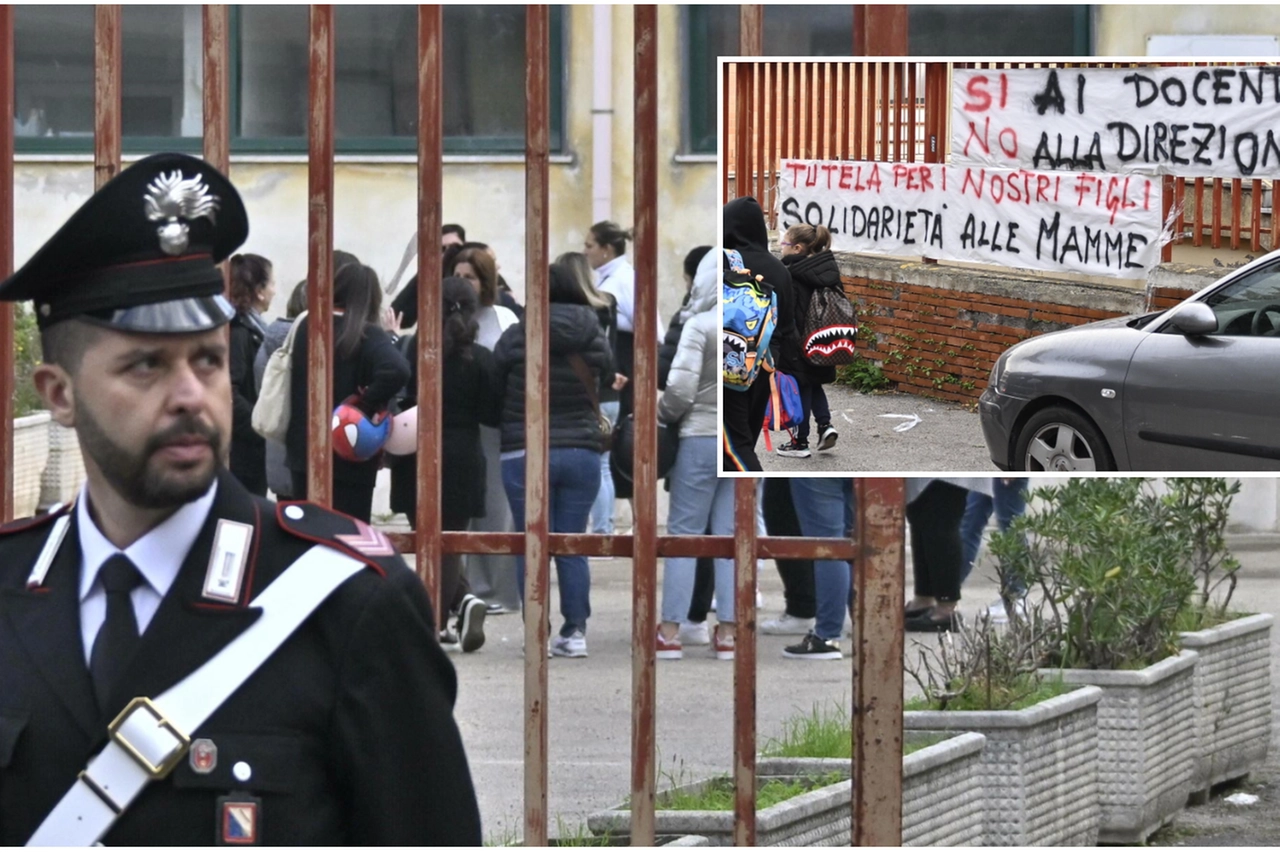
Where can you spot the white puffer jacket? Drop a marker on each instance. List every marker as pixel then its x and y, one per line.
pixel 690 396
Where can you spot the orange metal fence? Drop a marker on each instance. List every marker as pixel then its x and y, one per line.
pixel 898 111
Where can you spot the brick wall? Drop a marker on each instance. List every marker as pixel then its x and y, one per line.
pixel 938 330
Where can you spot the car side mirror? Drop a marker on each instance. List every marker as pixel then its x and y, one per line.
pixel 1194 318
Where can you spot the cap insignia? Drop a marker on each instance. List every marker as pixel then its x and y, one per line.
pixel 170 200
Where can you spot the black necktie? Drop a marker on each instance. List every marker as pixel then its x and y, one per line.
pixel 118 638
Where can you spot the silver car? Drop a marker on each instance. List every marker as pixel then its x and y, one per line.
pixel 1196 387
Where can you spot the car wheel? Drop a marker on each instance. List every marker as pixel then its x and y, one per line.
pixel 1060 440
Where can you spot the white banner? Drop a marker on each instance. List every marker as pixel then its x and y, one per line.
pixel 1216 122
pixel 1080 222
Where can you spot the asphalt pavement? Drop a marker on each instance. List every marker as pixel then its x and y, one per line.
pixel 590 707
pixel 890 432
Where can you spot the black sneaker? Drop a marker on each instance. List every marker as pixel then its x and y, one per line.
pixel 813 647
pixel 798 449
pixel 827 436
pixel 471 623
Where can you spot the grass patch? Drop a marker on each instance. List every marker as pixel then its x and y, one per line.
pixel 1015 697
pixel 717 794
pixel 1195 618
pixel 823 732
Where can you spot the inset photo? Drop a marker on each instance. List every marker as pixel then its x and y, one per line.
pixel 1036 266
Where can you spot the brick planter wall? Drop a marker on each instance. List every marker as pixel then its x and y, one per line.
pixel 937 330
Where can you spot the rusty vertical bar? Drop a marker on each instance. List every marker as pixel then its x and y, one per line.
pixel 884 30
pixel 882 69
pixel 644 573
pixel 757 132
pixel 1237 187
pixel 1181 222
pixel 859 27
pixel 771 141
pixel 1255 215
pixel 722 137
pixel 215 115
pixel 217 87
pixel 431 330
pixel 912 73
pixel 1166 207
pixel 744 665
pixel 8 347
pixel 107 72
pixel 846 104
pixel 741 135
pixel 857 91
pixel 1216 240
pixel 750 30
pixel 536 415
pixel 320 255
pixel 819 102
pixel 1197 229
pixel 877 663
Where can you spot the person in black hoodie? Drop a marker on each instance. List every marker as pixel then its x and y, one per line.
pixel 252 288
pixel 743 412
pixel 577 345
pixel 807 254
pixel 365 362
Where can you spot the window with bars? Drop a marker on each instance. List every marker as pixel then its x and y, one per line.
pixel 375 84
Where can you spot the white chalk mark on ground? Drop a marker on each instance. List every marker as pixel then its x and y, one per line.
pixel 908 421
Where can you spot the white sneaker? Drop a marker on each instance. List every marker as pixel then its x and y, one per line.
pixel 827 437
pixel 787 625
pixel 996 613
pixel 694 634
pixel 572 646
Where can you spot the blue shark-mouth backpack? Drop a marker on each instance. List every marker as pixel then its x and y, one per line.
pixel 750 316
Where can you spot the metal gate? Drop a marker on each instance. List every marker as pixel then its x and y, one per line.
pixel 876 549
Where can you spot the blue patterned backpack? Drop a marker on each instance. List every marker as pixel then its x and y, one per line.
pixel 750 316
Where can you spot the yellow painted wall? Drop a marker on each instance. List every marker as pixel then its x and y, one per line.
pixel 376 203
pixel 1122 30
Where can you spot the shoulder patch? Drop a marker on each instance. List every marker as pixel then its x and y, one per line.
pixel 22 524
pixel 351 536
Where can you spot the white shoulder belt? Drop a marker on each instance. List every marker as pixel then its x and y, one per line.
pixel 150 737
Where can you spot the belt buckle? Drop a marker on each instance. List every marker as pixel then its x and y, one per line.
pixel 155 770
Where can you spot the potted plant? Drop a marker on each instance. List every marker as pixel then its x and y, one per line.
pixel 1107 557
pixel 1232 681
pixel 942 796
pixel 802 810
pixel 31 424
pixel 1039 765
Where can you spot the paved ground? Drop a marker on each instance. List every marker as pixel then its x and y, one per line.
pixel 891 432
pixel 590 708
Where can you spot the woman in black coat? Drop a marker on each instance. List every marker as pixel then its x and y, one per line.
pixel 807 255
pixel 470 397
pixel 365 362
pixel 252 289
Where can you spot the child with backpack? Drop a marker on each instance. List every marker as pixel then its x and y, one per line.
pixel 827 330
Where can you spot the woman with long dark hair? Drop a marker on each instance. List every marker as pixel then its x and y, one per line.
pixel 470 397
pixel 365 363
pixel 251 292
pixel 579 357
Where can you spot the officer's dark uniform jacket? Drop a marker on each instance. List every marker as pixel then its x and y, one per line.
pixel 347 728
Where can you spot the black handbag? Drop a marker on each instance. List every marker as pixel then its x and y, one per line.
pixel 624 439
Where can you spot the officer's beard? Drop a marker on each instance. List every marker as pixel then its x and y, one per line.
pixel 136 477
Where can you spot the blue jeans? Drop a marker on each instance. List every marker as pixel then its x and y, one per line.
pixel 825 509
pixel 574 477
pixel 1008 502
pixel 699 499
pixel 602 509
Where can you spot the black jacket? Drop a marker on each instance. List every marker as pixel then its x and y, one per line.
pixel 746 231
pixel 810 273
pixel 574 329
pixel 378 368
pixel 248 449
pixel 348 727
pixel 471 397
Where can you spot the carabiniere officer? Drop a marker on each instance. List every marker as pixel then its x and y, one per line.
pixel 182 662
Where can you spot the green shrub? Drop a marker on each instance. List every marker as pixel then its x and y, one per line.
pixel 718 794
pixel 1202 505
pixel 1109 559
pixel 26 357
pixel 862 375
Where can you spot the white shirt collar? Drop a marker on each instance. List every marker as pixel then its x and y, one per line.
pixel 158 553
pixel 606 270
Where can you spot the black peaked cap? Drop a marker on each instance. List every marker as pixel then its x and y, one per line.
pixel 141 254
